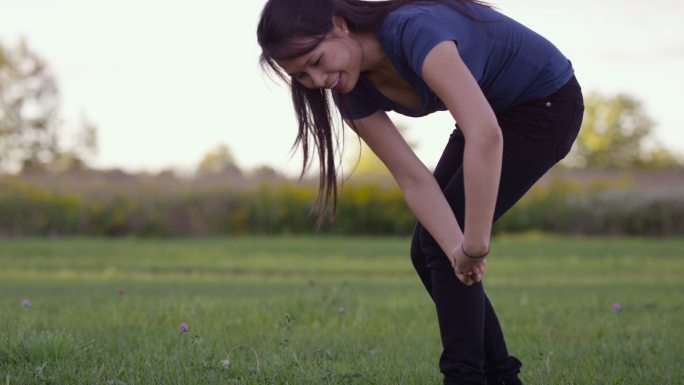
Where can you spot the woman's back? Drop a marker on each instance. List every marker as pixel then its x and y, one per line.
pixel 511 63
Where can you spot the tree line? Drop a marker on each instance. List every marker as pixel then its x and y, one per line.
pixel 617 132
pixel 48 187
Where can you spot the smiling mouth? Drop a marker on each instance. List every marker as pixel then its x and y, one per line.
pixel 337 85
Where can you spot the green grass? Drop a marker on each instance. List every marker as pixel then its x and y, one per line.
pixel 328 311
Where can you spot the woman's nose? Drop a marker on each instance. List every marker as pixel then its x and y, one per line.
pixel 318 78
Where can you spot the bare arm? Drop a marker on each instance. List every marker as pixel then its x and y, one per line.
pixel 450 79
pixel 418 185
pixel 447 75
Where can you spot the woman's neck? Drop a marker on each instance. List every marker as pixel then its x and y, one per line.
pixel 375 63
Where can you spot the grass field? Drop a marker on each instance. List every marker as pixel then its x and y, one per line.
pixel 328 311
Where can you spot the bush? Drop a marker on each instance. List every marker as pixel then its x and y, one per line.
pixel 31 210
pixel 560 205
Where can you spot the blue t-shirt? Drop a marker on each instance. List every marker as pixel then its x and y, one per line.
pixel 511 63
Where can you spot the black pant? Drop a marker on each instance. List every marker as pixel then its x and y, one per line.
pixel 536 135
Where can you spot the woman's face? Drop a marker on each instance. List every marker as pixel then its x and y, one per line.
pixel 334 64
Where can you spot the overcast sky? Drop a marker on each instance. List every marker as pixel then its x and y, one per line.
pixel 166 81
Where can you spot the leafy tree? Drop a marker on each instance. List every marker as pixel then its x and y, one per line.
pixel 660 157
pixel 30 125
pixel 220 160
pixel 86 142
pixel 615 134
pixel 266 173
pixel 29 103
pixel 82 151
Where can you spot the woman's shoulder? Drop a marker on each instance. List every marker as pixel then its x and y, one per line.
pixel 411 10
pixel 435 14
pixel 396 21
pixel 470 10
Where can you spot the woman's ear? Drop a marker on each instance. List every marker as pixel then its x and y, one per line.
pixel 340 25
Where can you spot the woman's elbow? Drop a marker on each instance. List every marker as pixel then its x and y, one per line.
pixel 416 178
pixel 488 136
pixel 495 137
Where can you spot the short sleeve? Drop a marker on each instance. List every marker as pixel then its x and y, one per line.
pixel 420 32
pixel 419 36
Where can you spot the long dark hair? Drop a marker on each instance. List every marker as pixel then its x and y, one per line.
pixel 283 20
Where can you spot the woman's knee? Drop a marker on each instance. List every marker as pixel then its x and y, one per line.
pixel 416 252
pixel 432 252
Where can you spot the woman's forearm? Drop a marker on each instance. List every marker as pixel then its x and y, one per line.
pixel 482 171
pixel 481 174
pixel 450 78
pixel 427 201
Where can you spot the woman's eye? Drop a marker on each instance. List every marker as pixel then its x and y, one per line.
pixel 319 61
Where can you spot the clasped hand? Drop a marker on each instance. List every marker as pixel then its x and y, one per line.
pixel 468 270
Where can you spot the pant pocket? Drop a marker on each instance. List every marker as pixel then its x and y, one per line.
pixel 571 133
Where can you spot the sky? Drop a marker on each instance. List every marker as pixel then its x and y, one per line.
pixel 167 81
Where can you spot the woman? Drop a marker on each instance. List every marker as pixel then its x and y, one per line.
pixel 518 110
